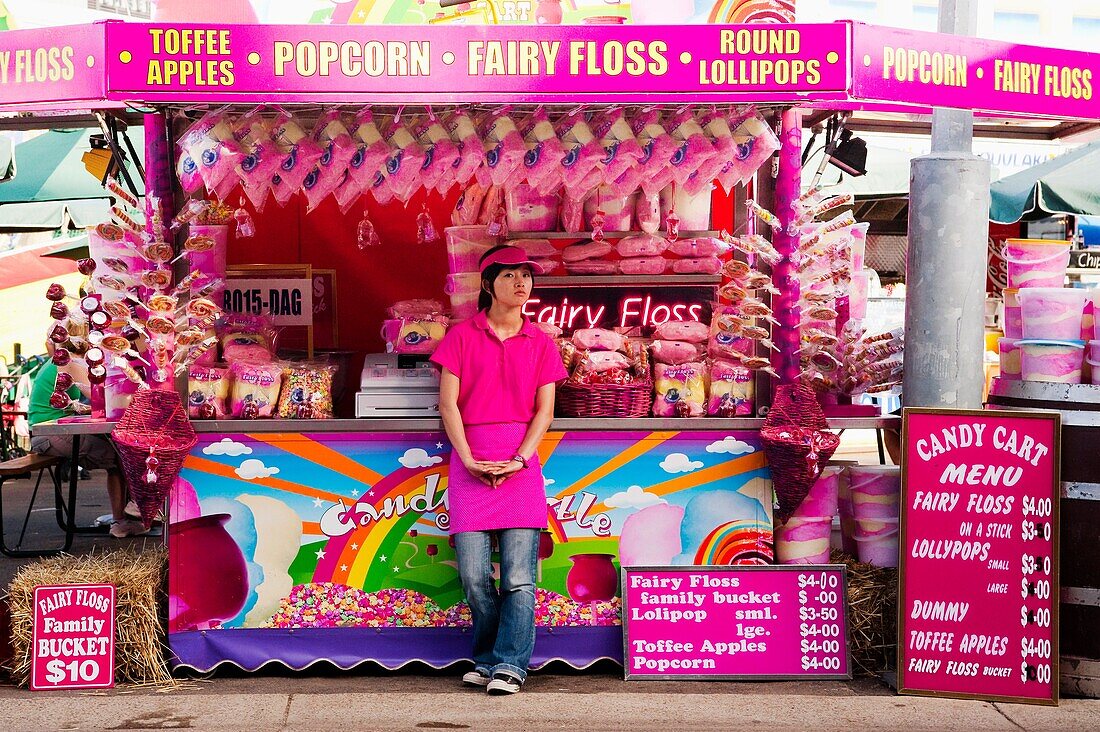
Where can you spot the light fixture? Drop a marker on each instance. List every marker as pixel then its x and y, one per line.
pixel 850 154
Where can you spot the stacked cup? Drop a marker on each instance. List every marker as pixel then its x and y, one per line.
pixel 875 492
pixel 804 539
pixel 1044 321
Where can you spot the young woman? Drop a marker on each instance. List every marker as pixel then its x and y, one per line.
pixel 496 398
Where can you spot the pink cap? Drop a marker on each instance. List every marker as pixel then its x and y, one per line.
pixel 511 257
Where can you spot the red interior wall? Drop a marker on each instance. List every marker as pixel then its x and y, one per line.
pixel 368 281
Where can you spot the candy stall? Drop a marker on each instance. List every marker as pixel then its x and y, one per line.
pixel 306 494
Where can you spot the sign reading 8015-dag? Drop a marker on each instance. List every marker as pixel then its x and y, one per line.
pixel 73 641
pixel 287 301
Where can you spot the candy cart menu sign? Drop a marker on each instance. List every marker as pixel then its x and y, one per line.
pixel 486 63
pixel 73 642
pixel 978 599
pixel 64 65
pixel 698 622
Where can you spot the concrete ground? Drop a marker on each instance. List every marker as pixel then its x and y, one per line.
pixel 425 699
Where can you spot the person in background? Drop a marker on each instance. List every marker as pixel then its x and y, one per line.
pixel 496 398
pixel 96 451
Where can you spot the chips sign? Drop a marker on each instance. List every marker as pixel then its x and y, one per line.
pixel 286 301
pixel 74 637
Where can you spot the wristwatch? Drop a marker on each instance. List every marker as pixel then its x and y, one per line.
pixel 520 459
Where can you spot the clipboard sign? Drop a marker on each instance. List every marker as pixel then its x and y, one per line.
pixel 284 292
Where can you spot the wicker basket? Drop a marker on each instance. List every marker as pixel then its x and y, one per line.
pixel 797 444
pixel 154 424
pixel 606 400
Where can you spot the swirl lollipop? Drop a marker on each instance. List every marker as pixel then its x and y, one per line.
pixel 163 303
pixel 204 310
pixel 111 282
pixel 185 284
pixel 190 337
pixel 156 279
pixel 118 310
pixel 159 252
pixel 120 346
pixel 116 265
pixel 160 325
pixel 197 243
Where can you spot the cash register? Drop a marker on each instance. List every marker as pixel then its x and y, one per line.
pixel 397 385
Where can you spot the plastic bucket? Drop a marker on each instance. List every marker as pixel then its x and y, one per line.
pixel 875 491
pixel 1036 262
pixel 466 245
pixel 1014 319
pixel 694 211
pixel 529 210
pixel 1054 361
pixel 859 245
pixel 1010 359
pixel 804 540
pixel 877 541
pixel 1052 313
pixel 1093 360
pixel 618 211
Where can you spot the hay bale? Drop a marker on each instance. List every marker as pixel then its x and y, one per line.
pixel 139 580
pixel 872 616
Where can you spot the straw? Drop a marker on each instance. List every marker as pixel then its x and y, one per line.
pixel 139 580
pixel 872 616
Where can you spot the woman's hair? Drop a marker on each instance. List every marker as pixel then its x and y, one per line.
pixel 489 276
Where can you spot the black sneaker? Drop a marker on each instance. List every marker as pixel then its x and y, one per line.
pixel 475 678
pixel 503 683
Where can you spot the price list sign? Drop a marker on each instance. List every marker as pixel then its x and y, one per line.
pixel 978 596
pixel 73 640
pixel 702 622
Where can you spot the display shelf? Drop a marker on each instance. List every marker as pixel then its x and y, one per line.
pixel 620 280
pixel 286 426
pixel 512 235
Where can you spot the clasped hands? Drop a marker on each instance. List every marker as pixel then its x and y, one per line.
pixel 493 473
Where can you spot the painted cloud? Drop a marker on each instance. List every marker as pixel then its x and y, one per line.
pixel 414 457
pixel 251 469
pixel 678 462
pixel 633 497
pixel 227 447
pixel 731 446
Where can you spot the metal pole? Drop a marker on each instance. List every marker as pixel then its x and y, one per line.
pixel 946 271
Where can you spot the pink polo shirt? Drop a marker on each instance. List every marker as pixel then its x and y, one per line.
pixel 498 380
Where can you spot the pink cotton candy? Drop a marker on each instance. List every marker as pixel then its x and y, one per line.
pixel 586 250
pixel 542 160
pixel 600 361
pixel 689 331
pixel 188 173
pixel 582 156
pixel 441 155
pixel 695 151
pixel 382 188
pixel 642 246
pixel 301 155
pixel 331 169
pixel 549 329
pixel 731 392
pixel 597 339
pixel 255 390
pixel 618 210
pixel 658 149
pixel 504 150
pixel 700 247
pixel 622 151
pixel 702 265
pixel 675 352
pixel 647 211
pixel 592 267
pixel 716 126
pixel 260 155
pixel 372 153
pixel 572 214
pixel 536 248
pixel 491 206
pixel 468 207
pixel 643 265
pixel 548 266
pixel 209 143
pixel 724 344
pixel 756 142
pixel 471 153
pixel 403 167
pixel 680 390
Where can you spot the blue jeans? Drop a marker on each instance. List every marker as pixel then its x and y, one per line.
pixel 504 619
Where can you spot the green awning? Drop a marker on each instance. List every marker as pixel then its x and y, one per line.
pixel 1068 184
pixel 51 189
